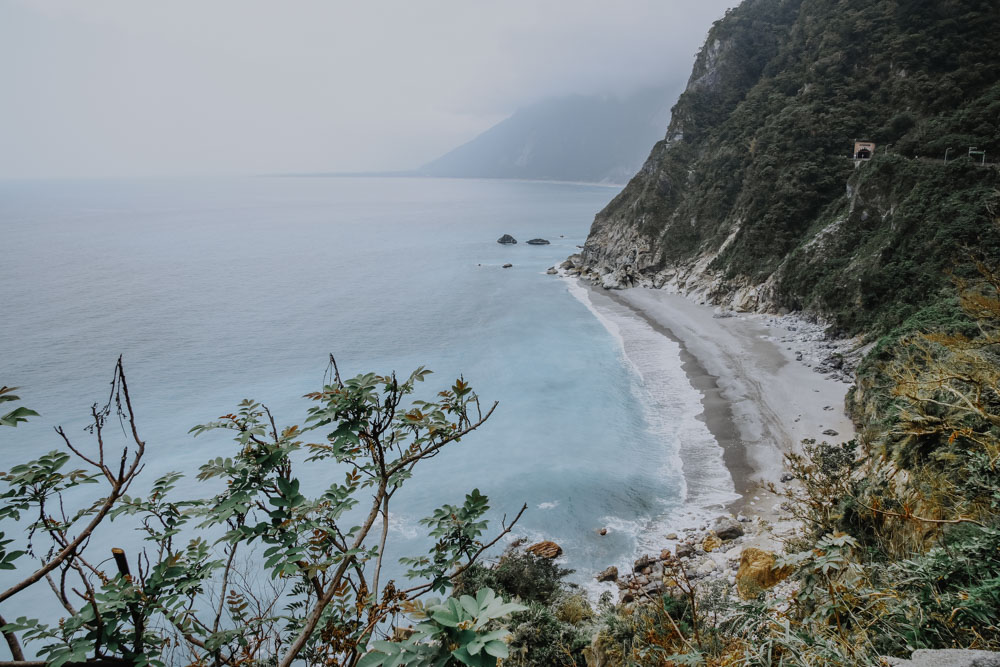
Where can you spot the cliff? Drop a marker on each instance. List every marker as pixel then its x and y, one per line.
pixel 753 200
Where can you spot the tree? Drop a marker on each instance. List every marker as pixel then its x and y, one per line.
pixel 188 598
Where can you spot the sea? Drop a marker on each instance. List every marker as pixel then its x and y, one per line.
pixel 214 291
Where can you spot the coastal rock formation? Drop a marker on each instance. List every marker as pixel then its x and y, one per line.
pixel 507 266
pixel 711 543
pixel 608 574
pixel 538 242
pixel 545 549
pixel 751 202
pixel 507 239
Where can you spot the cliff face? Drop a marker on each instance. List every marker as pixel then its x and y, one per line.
pixel 752 199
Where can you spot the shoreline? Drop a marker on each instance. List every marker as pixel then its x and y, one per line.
pixel 717 415
pixel 760 395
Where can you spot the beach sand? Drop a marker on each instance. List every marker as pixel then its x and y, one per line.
pixel 759 401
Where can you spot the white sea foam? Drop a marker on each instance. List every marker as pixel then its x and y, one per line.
pixel 548 505
pixel 674 414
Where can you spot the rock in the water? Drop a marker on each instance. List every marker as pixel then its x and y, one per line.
pixel 711 543
pixel 552 271
pixel 684 550
pixel 757 572
pixel 507 266
pixel 830 431
pixel 666 555
pixel 948 657
pixel 602 532
pixel 787 477
pixel 610 574
pixel 537 242
pixel 545 549
pixel 507 239
pixel 727 528
pixel 672 536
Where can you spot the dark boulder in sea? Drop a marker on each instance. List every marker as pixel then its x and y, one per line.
pixel 507 239
pixel 610 574
pixel 538 242
pixel 507 266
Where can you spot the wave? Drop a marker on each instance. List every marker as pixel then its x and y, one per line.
pixel 674 415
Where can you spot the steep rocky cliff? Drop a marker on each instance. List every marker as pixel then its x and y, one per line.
pixel 753 200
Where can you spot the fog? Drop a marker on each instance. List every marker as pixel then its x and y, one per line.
pixel 135 87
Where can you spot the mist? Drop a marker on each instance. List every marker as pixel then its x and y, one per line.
pixel 125 88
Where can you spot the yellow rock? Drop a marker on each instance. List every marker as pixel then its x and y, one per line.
pixel 757 572
pixel 711 543
pixel 545 549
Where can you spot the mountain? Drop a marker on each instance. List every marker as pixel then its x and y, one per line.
pixel 576 138
pixel 755 200
pixel 752 199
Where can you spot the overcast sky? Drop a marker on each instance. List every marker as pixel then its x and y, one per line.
pixel 137 87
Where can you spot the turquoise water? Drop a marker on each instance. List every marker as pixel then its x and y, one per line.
pixel 219 291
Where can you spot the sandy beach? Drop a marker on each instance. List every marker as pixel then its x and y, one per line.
pixel 759 399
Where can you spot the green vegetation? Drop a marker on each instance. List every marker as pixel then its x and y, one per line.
pixel 260 572
pixel 555 626
pixel 901 547
pixel 755 170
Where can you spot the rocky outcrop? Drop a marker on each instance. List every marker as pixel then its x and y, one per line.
pixel 608 574
pixel 507 239
pixel 750 202
pixel 538 242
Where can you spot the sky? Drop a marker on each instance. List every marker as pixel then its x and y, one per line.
pixel 111 88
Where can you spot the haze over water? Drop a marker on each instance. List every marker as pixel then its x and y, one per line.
pixel 215 291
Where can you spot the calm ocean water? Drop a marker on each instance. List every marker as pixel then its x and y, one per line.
pixel 215 291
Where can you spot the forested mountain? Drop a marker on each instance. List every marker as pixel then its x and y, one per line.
pixel 752 198
pixel 600 138
pixel 755 200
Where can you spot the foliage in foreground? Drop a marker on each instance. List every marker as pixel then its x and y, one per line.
pixel 261 572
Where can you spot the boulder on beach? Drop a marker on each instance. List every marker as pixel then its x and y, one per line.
pixel 684 550
pixel 711 543
pixel 545 549
pixel 537 242
pixel 642 563
pixel 609 574
pixel 758 572
pixel 727 528
pixel 507 239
